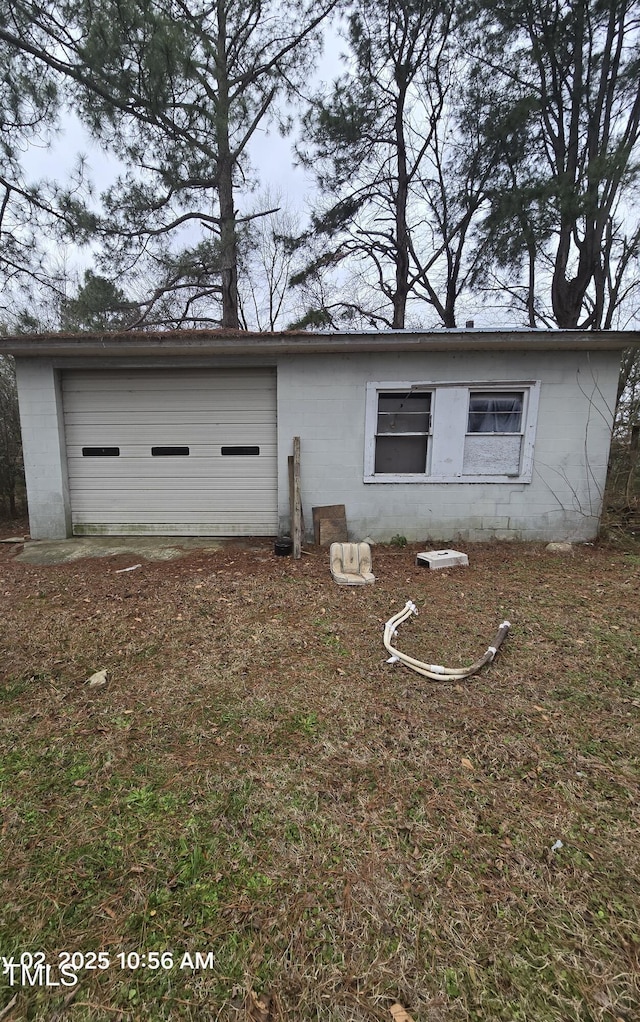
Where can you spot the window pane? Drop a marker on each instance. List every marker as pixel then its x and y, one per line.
pixel 492 455
pixel 100 452
pixel 241 451
pixel 401 454
pixel 169 452
pixel 495 413
pixel 403 413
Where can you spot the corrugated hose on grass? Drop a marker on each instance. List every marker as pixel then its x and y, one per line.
pixel 436 672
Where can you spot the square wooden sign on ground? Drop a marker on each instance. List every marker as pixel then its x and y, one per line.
pixel 329 524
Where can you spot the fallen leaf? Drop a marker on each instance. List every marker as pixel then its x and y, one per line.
pixel 79 784
pixel 258 1009
pixel 399 1013
pixel 467 764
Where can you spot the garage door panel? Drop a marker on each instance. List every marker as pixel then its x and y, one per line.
pixel 221 403
pixel 140 458
pixel 196 417
pixel 130 482
pixel 237 522
pixel 171 506
pixel 202 492
pixel 152 434
pixel 102 381
pixel 200 469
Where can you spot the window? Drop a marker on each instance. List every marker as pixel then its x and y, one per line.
pixel 450 432
pixel 244 452
pixel 402 431
pixel 169 452
pixel 100 452
pixel 495 413
pixel 493 445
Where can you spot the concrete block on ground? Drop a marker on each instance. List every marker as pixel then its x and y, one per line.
pixel 434 559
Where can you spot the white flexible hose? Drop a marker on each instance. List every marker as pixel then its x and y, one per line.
pixel 436 672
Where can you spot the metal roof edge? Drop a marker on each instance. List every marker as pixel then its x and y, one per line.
pixel 239 343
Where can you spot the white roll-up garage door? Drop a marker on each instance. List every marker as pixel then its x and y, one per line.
pixel 172 451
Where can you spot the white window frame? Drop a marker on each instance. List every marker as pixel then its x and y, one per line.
pixel 449 424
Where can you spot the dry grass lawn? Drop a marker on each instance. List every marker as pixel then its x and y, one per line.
pixel 333 835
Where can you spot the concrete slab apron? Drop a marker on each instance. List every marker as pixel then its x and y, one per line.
pixel 150 548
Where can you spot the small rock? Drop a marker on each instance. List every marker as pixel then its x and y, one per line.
pixel 97 680
pixel 559 548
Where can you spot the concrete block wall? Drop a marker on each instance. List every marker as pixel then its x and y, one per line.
pixel 43 447
pixel 322 400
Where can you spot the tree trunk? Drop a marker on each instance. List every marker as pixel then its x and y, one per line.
pixel 402 234
pixel 228 236
pixel 634 453
pixel 531 286
pixel 565 310
pixel 228 248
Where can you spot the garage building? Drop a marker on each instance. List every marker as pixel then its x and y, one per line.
pixel 436 436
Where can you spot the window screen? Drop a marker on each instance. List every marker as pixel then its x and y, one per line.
pixel 402 429
pixel 495 412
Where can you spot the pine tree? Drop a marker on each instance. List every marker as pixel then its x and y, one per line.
pixel 98 305
pixel 28 107
pixel 566 104
pixel 177 89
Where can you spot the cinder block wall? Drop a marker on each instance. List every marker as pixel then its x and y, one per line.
pixel 322 400
pixel 43 447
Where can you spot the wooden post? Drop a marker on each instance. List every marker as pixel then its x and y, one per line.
pixel 296 523
pixel 290 471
